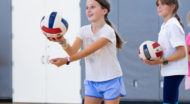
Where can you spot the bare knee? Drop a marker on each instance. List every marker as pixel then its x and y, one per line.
pixel 115 101
pixel 92 100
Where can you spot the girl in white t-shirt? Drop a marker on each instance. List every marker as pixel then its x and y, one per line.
pixel 174 63
pixel 101 41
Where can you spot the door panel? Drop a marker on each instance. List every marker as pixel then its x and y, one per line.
pixel 63 83
pixel 28 52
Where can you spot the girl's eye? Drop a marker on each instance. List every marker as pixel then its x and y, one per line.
pixel 92 6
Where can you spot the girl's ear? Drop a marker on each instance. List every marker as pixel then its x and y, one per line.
pixel 173 6
pixel 105 11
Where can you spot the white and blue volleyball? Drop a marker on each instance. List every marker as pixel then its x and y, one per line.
pixel 150 49
pixel 54 26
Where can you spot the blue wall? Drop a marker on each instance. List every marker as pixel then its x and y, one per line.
pixel 5 50
pixel 137 21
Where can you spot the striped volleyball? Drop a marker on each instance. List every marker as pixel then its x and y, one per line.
pixel 53 25
pixel 150 49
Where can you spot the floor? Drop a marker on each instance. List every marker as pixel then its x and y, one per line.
pixel 32 103
pixel 102 103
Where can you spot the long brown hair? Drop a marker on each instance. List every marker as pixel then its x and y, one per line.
pixel 172 2
pixel 105 5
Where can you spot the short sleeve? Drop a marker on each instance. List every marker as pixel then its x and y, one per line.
pixel 188 40
pixel 81 33
pixel 177 36
pixel 110 35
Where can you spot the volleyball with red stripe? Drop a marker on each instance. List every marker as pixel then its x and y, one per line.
pixel 150 49
pixel 53 25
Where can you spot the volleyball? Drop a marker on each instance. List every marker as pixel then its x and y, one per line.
pixel 150 49
pixel 53 25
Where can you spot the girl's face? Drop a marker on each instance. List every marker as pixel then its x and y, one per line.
pixel 94 11
pixel 165 10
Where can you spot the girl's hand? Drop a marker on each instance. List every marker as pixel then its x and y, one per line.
pixel 58 61
pixel 56 39
pixel 61 40
pixel 154 61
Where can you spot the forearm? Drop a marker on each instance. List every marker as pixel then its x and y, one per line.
pixel 90 49
pixel 179 54
pixel 81 54
pixel 70 51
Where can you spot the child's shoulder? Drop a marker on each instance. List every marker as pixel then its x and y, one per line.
pixel 174 24
pixel 109 28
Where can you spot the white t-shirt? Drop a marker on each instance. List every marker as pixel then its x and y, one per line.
pixel 171 36
pixel 103 64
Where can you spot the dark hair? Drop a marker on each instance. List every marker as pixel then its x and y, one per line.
pixel 105 5
pixel 172 2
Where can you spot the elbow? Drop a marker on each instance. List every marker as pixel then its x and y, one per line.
pixel 183 54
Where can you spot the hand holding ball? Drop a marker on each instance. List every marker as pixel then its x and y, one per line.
pixel 150 49
pixel 54 26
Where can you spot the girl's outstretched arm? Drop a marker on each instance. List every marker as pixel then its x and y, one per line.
pixel 69 49
pixel 101 42
pixel 74 48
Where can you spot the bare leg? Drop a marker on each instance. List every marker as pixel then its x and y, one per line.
pixel 92 100
pixel 115 101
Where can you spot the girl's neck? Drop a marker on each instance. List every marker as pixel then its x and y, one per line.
pixel 166 18
pixel 97 26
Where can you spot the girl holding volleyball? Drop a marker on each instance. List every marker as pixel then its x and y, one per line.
pixel 101 41
pixel 171 37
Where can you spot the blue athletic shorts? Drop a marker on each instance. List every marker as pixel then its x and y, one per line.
pixel 108 90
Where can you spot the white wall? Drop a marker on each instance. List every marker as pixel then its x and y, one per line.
pixel 34 79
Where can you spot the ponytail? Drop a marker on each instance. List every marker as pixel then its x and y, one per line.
pixel 179 19
pixel 119 41
pixel 106 5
